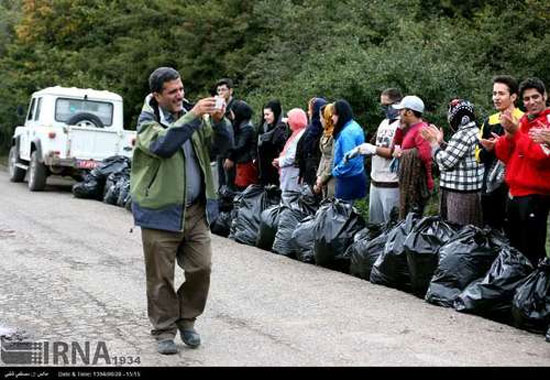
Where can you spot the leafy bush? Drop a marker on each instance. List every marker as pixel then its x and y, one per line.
pixel 289 49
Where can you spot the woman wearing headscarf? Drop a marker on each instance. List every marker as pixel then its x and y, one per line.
pixel 308 153
pixel 325 182
pixel 297 120
pixel 272 134
pixel 244 150
pixel 461 175
pixel 351 180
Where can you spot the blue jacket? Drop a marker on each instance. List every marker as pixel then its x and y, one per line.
pixel 352 135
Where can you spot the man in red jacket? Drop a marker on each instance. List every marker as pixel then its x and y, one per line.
pixel 527 162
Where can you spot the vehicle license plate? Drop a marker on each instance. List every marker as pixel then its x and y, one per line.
pixel 87 164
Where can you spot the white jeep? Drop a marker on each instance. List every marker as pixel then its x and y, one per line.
pixel 68 131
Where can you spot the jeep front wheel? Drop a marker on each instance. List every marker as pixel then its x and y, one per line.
pixel 37 173
pixel 16 173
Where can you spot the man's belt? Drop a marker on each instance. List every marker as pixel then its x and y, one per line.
pixel 387 185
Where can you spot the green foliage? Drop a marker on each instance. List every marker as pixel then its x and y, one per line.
pixel 362 206
pixel 287 49
pixel 9 16
pixel 9 12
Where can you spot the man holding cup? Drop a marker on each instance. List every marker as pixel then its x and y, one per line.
pixel 172 193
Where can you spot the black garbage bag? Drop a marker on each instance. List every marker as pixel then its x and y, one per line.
pixel 463 259
pixel 421 247
pixel 268 227
pixel 112 186
pixel 368 246
pixel 492 296
pixel 531 304
pixel 295 206
pixel 89 188
pixel 222 225
pixel 92 186
pixel 225 198
pixel 371 231
pixel 391 268
pixel 113 164
pixel 110 194
pixel 248 207
pixel 124 193
pixel 337 223
pixel 303 240
pixel 220 220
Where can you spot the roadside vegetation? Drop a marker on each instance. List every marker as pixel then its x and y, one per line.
pixel 286 49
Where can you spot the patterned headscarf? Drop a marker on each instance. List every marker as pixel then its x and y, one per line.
pixel 461 112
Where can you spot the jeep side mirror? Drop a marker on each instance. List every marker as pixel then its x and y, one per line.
pixel 20 110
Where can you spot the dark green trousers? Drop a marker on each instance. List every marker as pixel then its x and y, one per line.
pixel 167 308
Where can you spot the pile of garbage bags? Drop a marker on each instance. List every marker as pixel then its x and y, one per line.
pixel 248 207
pixel 109 182
pixel 531 302
pixel 368 245
pixel 294 224
pixel 222 224
pixel 467 268
pixel 269 220
pixel 294 207
pixel 492 295
pixel 470 269
pixel 391 267
pixel 337 222
pixel 463 259
pixel 303 240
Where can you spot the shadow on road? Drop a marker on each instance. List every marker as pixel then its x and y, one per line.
pixel 61 184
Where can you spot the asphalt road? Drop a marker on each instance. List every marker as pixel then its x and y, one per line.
pixel 71 271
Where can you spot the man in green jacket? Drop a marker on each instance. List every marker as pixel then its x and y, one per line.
pixel 172 193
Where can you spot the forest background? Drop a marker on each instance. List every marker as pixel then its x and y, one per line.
pixel 286 49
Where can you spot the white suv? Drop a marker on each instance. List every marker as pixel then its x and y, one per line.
pixel 67 131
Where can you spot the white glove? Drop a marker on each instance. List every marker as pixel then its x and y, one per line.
pixel 351 154
pixel 367 149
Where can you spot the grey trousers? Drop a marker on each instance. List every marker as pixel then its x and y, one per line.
pixel 381 201
pixel 167 308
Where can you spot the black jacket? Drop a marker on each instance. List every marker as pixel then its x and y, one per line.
pixel 270 146
pixel 244 149
pixel 308 152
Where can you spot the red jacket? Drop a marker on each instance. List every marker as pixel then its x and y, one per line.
pixel 527 163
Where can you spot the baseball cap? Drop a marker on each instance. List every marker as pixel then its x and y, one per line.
pixel 411 102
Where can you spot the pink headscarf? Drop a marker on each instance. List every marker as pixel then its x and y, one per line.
pixel 297 120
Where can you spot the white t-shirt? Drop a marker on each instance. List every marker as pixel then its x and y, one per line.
pixel 380 171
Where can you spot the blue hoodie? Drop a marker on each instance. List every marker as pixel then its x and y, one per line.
pixel 351 136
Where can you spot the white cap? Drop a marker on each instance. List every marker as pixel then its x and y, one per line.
pixel 411 102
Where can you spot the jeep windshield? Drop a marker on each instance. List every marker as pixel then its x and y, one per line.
pixel 67 108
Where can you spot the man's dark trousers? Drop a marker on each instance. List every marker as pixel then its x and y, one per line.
pixel 168 309
pixel 527 217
